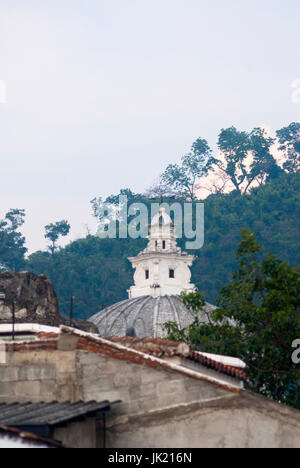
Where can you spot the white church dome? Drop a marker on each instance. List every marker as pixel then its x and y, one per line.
pixel 162 273
pixel 147 315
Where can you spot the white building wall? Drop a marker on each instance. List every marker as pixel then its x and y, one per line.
pixel 161 255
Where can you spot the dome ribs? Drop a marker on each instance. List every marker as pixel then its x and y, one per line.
pixel 147 315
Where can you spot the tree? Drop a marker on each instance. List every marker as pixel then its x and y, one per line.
pixel 194 165
pixel 55 231
pixel 289 139
pixel 159 190
pixel 258 320
pixel 98 269
pixel 12 242
pixel 263 164
pixel 93 269
pixel 113 208
pixel 128 193
pixel 247 157
pixel 235 146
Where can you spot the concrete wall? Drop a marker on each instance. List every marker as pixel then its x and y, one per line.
pixel 160 408
pixel 62 375
pixel 166 409
pixel 40 376
pixel 78 434
pixel 218 424
pixel 140 388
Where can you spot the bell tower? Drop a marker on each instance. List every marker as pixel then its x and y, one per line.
pixel 162 268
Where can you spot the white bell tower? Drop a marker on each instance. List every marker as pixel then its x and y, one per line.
pixel 162 268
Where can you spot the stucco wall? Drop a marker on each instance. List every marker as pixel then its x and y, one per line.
pixel 139 387
pixel 158 267
pixel 40 376
pixel 160 408
pixel 240 422
pixel 61 375
pixel 78 434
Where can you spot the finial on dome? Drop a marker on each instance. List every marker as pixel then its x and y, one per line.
pixel 162 215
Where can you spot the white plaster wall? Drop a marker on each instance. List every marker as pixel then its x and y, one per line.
pixel 210 428
pixel 159 274
pixel 9 443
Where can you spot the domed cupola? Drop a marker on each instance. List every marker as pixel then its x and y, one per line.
pixel 162 273
pixel 162 268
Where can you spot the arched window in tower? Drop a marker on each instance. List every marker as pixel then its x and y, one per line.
pixel 171 273
pixel 147 274
pixel 164 245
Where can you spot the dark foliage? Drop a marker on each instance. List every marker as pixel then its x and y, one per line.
pixel 98 273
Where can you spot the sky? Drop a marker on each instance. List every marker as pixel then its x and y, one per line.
pixel 99 95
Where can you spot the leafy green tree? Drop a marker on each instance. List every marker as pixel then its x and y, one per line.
pixel 98 269
pixel 194 165
pixel 247 157
pixel 12 242
pixel 263 164
pixel 160 190
pixel 258 320
pixel 289 139
pixel 55 231
pixel 235 146
pixel 98 203
pixel 105 212
pixel 94 270
pixel 114 210
pixel 131 197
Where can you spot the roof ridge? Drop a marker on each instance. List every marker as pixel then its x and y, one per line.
pixel 161 346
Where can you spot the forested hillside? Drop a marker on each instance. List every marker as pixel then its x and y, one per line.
pixel 271 211
pixel 256 191
pixel 97 272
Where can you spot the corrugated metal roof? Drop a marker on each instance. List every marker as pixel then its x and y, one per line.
pixel 50 414
pixel 27 437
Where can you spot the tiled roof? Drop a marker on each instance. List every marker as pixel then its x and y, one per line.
pixel 218 366
pixel 154 346
pixel 152 352
pixel 164 348
pixel 50 414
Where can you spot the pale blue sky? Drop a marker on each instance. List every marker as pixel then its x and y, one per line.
pixel 103 94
